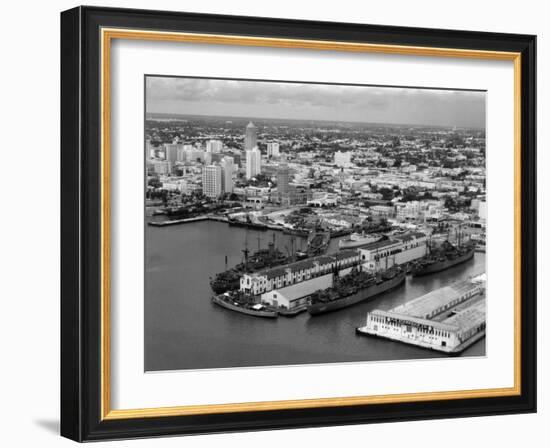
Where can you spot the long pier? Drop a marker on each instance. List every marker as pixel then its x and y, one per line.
pixel 218 218
pixel 174 222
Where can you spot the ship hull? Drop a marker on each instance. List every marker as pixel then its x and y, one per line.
pixel 439 266
pixel 349 244
pixel 361 296
pixel 248 225
pixel 240 309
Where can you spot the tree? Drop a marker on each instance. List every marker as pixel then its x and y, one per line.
pixel 387 193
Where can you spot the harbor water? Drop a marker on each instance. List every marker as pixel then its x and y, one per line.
pixel 184 330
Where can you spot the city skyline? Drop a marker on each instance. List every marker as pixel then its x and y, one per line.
pixel 382 230
pixel 316 102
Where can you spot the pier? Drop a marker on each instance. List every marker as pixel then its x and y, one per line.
pixel 447 320
pixel 187 220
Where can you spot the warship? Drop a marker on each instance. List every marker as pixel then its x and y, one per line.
pixel 353 288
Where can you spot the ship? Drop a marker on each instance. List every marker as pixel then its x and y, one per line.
pixel 247 222
pixel 444 258
pixel 241 303
pixel 317 242
pixel 263 258
pixel 358 239
pixel 353 288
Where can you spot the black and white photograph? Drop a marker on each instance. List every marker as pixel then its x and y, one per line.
pixel 296 223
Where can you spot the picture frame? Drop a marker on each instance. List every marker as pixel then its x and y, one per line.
pixel 86 37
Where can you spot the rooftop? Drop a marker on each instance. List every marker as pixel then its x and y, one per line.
pixel 379 244
pixel 409 236
pixel 469 317
pixel 306 264
pixel 424 306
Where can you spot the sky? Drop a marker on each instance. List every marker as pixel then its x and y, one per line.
pixel 266 99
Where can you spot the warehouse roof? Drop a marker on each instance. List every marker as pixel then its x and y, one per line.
pixel 424 306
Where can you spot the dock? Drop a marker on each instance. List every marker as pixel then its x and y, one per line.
pixel 187 220
pixel 446 320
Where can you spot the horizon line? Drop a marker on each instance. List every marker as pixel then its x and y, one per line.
pixel 314 120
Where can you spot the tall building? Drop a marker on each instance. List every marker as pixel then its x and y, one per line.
pixel 228 167
pixel 282 181
pixel 171 152
pixel 214 146
pixel 253 163
pixel 273 149
pixel 212 181
pixel 250 137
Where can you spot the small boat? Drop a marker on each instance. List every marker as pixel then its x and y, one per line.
pixel 231 302
pixel 359 239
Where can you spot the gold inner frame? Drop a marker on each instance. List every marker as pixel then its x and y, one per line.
pixel 107 35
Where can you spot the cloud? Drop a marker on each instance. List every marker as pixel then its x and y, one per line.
pixel 315 101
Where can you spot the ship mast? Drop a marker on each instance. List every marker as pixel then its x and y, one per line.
pixel 245 251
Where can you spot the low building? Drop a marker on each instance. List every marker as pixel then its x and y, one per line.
pixel 447 320
pixel 297 295
pixel 398 250
pixel 257 283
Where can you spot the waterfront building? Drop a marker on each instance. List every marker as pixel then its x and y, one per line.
pixel 214 146
pixel 228 168
pixel 273 149
pixel 250 137
pixel 448 319
pixel 212 181
pixel 342 158
pixel 296 296
pixel 279 277
pixel 253 162
pixel 398 250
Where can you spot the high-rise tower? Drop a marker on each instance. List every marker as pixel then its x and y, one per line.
pixel 253 163
pixel 250 137
pixel 212 181
pixel 228 167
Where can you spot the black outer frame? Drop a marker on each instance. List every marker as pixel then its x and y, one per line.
pixel 80 223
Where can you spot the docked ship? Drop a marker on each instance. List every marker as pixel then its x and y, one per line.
pixel 317 242
pixel 353 288
pixel 242 303
pixel 359 239
pixel 444 258
pixel 264 258
pixel 247 222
